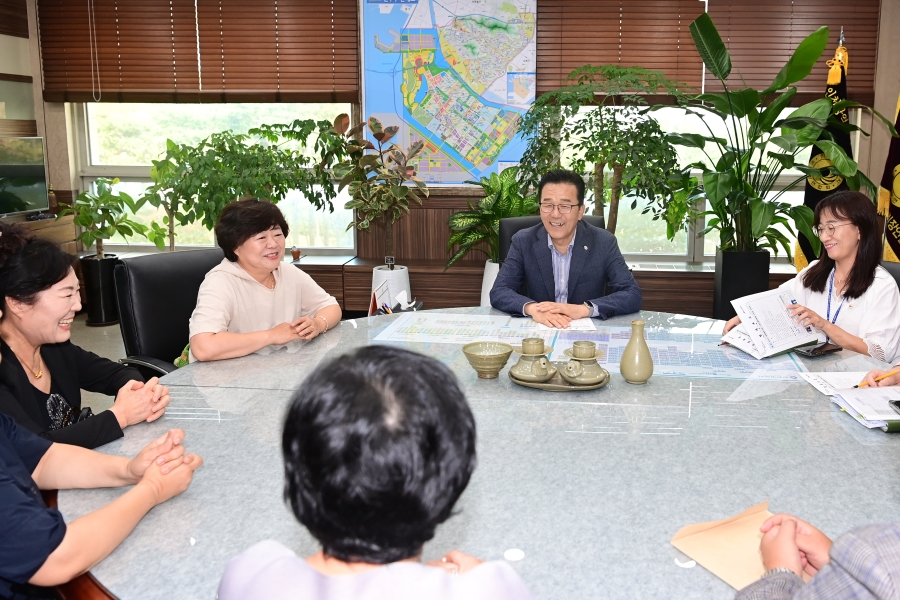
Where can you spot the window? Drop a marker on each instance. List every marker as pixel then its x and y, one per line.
pixel 122 139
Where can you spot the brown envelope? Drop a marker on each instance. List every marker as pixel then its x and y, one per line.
pixel 729 548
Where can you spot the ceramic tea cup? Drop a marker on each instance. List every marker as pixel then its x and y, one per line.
pixel 533 346
pixel 584 349
pixel 487 358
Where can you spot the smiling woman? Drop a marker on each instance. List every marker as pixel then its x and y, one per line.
pixel 251 300
pixel 42 368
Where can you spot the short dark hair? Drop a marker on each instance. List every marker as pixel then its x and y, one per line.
pixel 378 446
pixel 242 219
pixel 859 210
pixel 563 176
pixel 28 264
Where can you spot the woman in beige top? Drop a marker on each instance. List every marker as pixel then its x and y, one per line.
pixel 251 299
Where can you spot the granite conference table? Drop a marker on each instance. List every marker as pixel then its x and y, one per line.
pixel 590 485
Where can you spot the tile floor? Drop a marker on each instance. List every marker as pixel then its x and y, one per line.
pixel 105 341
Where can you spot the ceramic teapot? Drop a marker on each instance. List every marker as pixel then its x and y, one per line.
pixel 532 368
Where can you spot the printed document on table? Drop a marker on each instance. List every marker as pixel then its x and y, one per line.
pixel 739 338
pixel 585 324
pixel 872 403
pixel 828 383
pixel 769 325
pixel 859 419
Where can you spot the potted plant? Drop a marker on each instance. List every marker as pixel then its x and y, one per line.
pixel 101 214
pixel 195 182
pixel 597 124
pixel 758 147
pixel 478 229
pixel 381 181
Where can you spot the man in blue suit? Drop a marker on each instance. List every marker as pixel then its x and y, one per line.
pixel 564 263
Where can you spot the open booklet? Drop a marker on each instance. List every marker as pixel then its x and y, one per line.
pixel 767 327
pixel 871 406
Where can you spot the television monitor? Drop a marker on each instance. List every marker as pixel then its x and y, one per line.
pixel 23 175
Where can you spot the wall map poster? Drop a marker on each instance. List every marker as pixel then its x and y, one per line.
pixel 458 74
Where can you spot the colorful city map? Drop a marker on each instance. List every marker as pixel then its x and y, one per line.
pixel 457 74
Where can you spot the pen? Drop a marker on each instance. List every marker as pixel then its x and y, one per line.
pixel 885 376
pixel 387 309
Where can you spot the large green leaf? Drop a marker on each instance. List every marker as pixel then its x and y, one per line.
pixel 762 213
pixel 802 61
pixel 804 218
pixel 709 44
pixel 717 186
pixel 691 140
pixel 744 102
pixel 846 165
pixel 773 110
pixel 817 109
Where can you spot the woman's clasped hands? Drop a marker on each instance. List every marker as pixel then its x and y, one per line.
pixel 139 401
pixel 163 467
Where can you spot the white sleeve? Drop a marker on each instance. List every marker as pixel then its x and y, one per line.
pixel 880 325
pixel 215 306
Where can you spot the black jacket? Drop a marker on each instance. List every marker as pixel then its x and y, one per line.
pixel 72 369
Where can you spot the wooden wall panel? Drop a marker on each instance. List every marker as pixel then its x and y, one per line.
pixel 329 277
pixel 459 286
pixel 18 128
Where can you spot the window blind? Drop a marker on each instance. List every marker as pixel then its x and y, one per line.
pixel 13 18
pixel 652 34
pixel 761 36
pixel 199 50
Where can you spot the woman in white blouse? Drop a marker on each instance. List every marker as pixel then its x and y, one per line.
pixel 846 294
pixel 251 299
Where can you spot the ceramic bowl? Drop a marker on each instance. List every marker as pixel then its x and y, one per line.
pixel 533 346
pixel 487 358
pixel 583 349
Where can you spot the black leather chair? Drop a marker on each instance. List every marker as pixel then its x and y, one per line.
pixel 156 295
pixel 509 227
pixel 892 268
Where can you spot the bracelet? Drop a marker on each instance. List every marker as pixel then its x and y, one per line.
pixel 324 319
pixel 777 570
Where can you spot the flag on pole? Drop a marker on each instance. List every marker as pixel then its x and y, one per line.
pixel 889 197
pixel 819 187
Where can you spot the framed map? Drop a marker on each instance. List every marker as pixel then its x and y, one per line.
pixel 458 74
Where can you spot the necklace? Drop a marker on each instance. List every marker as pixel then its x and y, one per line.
pixel 271 287
pixel 37 374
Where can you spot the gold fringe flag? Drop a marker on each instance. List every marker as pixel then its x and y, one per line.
pixel 819 187
pixel 889 195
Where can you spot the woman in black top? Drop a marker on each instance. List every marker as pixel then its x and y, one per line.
pixel 46 372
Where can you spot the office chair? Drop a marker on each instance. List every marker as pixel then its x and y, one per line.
pixel 893 268
pixel 156 295
pixel 509 227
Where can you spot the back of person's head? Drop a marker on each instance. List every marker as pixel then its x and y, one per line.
pixel 563 176
pixel 243 219
pixel 28 264
pixel 378 446
pixel 859 210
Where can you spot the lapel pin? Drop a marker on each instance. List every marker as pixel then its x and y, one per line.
pixel 585 247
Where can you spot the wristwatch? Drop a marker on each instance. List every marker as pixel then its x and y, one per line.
pixel 590 307
pixel 779 570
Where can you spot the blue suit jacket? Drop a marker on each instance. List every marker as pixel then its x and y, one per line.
pixel 596 262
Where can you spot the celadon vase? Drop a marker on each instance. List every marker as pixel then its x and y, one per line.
pixel 636 365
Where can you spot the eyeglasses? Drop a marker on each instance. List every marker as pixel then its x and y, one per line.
pixel 564 209
pixel 820 230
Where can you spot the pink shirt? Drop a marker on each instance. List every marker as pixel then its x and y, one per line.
pixel 269 571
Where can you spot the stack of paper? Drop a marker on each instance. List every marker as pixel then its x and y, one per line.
pixel 767 327
pixel 871 406
pixel 829 382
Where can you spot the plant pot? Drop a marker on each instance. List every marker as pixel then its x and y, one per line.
pixel 491 270
pixel 397 280
pixel 738 274
pixel 101 291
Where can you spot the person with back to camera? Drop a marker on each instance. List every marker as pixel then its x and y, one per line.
pixel 564 263
pixel 44 371
pixel 37 547
pixel 862 564
pixel 846 294
pixel 251 300
pixel 378 446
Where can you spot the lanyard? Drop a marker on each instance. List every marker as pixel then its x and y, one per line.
pixel 830 291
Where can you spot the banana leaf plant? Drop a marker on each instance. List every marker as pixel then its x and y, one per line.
pixel 103 214
pixel 379 176
pixel 480 225
pixel 759 146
